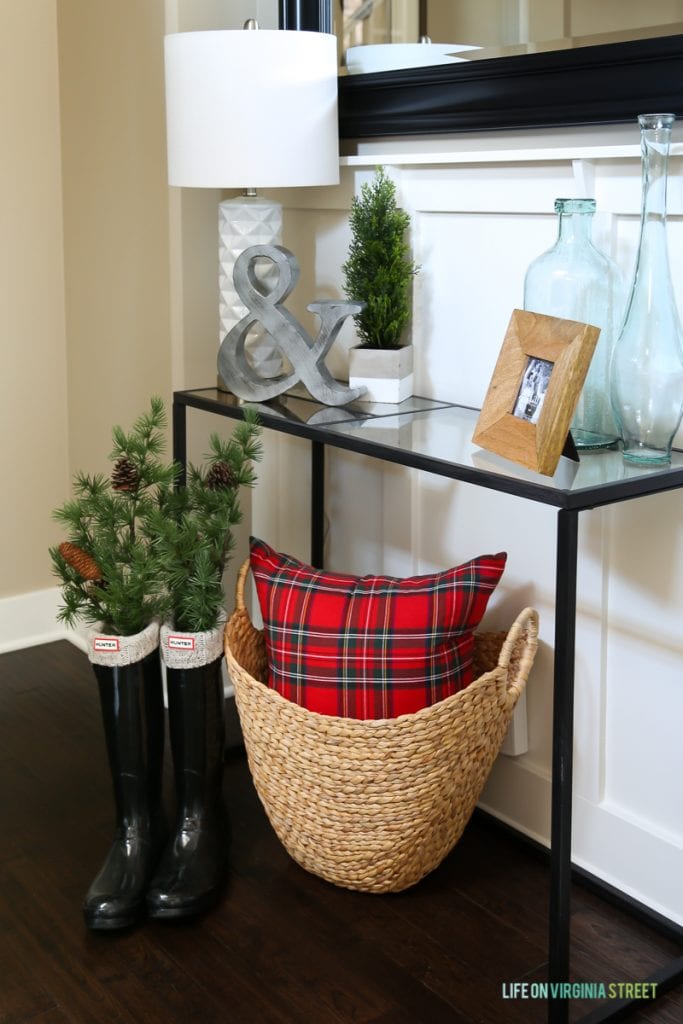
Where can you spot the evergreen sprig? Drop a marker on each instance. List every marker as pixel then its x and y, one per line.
pixel 192 528
pixel 113 527
pixel 379 267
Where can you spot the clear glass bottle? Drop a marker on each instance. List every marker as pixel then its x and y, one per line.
pixel 647 365
pixel 576 281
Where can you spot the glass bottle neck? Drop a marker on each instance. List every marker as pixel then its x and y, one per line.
pixel 574 228
pixel 652 287
pixel 655 153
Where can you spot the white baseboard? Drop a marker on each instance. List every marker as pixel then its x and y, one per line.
pixel 30 619
pixel 608 841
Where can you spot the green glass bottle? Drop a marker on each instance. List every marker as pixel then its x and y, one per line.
pixel 576 281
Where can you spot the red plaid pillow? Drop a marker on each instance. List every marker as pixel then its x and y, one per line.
pixel 370 646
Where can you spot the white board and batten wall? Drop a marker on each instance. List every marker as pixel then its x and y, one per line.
pixel 482 209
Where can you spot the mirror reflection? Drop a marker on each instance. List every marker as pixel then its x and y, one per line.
pixel 476 29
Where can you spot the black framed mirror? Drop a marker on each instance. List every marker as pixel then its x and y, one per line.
pixel 603 84
pixel 591 85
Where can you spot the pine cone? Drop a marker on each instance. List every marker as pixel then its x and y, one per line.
pixel 221 475
pixel 125 476
pixel 80 560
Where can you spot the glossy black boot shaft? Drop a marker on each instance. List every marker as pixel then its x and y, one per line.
pixel 131 700
pixel 193 868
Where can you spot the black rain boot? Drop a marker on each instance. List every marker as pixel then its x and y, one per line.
pixel 131 697
pixel 193 867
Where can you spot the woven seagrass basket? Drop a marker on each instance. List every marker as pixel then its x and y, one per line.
pixel 375 805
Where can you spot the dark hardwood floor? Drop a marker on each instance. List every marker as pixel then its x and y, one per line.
pixel 283 947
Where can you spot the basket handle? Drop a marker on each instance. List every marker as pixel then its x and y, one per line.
pixel 240 585
pixel 525 623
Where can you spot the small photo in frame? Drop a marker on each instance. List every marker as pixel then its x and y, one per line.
pixel 535 388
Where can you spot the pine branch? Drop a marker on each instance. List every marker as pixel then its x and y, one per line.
pixel 162 551
pixel 108 519
pixel 193 527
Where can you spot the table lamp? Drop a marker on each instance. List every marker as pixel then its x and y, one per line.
pixel 251 109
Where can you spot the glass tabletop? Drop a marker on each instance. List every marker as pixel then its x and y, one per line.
pixel 440 440
pixel 437 437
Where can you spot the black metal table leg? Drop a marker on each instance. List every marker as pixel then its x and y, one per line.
pixel 180 439
pixel 563 738
pixel 317 503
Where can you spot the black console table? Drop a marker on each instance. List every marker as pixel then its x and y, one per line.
pixel 436 437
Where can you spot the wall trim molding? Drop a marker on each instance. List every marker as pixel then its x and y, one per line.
pixel 522 155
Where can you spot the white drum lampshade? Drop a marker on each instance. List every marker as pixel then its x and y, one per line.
pixel 250 109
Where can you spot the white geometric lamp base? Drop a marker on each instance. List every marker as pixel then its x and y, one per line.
pixel 243 222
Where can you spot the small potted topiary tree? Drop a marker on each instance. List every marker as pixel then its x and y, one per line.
pixel 193 541
pixel 110 579
pixel 379 272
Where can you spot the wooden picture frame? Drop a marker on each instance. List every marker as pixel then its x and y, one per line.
pixel 534 389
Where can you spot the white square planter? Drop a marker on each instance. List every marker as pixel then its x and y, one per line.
pixel 386 373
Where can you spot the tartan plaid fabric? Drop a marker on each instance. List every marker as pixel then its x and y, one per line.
pixel 370 646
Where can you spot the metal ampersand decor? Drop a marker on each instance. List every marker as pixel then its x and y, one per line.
pixel 306 355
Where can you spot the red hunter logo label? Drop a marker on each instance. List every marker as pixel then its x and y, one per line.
pixel 106 643
pixel 181 643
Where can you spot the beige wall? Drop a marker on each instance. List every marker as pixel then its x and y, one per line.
pixel 503 22
pixel 587 17
pixel 484 23
pixel 109 285
pixel 85 252
pixel 33 388
pixel 115 217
